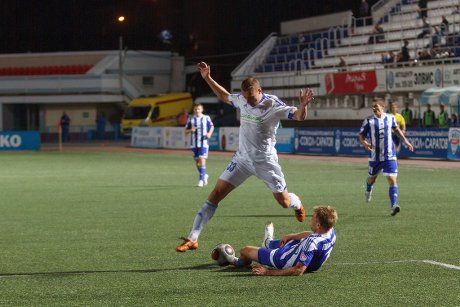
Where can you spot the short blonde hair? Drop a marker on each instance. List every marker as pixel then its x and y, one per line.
pixel 326 216
pixel 249 83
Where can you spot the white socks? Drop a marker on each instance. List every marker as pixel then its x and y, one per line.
pixel 295 201
pixel 202 217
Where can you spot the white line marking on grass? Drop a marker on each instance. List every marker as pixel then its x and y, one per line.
pixel 446 265
pixel 450 266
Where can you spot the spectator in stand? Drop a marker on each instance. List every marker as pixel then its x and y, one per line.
pixel 426 29
pixel 404 55
pixel 377 35
pixel 342 64
pixel 443 119
pixel 429 117
pixel 444 26
pixel 456 10
pixel 435 38
pixel 388 58
pixel 407 114
pixel 422 9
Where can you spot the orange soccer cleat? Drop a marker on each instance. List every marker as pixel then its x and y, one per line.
pixel 186 245
pixel 300 214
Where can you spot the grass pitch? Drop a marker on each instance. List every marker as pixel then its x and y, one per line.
pixel 101 229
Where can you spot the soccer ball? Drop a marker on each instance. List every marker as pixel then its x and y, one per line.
pixel 223 254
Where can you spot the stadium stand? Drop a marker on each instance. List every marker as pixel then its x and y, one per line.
pixel 322 50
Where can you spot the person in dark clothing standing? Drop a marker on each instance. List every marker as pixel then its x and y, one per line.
pixel 65 124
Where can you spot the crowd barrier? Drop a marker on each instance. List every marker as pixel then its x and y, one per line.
pixel 19 140
pixel 428 143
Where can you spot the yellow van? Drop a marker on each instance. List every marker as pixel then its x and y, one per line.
pixel 161 110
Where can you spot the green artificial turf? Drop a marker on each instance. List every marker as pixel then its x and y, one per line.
pixel 101 229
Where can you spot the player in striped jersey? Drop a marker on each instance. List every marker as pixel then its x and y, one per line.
pixel 382 151
pixel 295 253
pixel 260 114
pixel 200 128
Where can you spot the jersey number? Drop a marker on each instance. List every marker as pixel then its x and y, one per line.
pixel 231 166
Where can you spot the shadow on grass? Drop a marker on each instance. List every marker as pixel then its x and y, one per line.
pixel 207 266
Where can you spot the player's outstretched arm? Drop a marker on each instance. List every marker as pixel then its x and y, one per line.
pixel 296 270
pixel 403 137
pixel 219 91
pixel 305 98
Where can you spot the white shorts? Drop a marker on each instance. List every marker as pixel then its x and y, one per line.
pixel 239 169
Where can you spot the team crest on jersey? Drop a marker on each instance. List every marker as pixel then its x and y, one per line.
pixel 303 257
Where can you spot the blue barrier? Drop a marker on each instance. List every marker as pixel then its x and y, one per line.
pixel 453 149
pixel 285 140
pixel 428 143
pixel 19 140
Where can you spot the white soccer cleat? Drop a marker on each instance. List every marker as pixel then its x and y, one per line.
pixel 368 196
pixel 200 184
pixel 268 235
pixel 205 181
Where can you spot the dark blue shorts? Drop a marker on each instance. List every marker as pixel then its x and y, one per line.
pixel 389 167
pixel 200 152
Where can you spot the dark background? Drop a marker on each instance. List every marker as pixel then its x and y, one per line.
pixel 222 32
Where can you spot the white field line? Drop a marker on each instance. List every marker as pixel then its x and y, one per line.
pixel 446 265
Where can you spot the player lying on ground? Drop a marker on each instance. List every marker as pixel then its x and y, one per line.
pixel 295 253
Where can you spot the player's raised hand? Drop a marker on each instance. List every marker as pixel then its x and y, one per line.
pixel 204 69
pixel 306 97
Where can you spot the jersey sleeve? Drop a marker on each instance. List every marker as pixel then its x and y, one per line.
pixel 209 122
pixel 282 110
pixel 188 125
pixel 364 128
pixel 307 253
pixel 236 100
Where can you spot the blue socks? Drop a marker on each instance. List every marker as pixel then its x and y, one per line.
pixel 368 187
pixel 393 193
pixel 202 171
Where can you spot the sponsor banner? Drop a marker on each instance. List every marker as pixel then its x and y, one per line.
pixel 175 137
pixel 414 79
pixel 285 140
pixel 214 140
pixel 315 141
pixel 451 76
pixel 453 148
pixel 347 143
pixel 351 82
pixel 229 138
pixel 428 143
pixel 19 140
pixel 150 137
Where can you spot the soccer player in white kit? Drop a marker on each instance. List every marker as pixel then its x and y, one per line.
pixel 256 155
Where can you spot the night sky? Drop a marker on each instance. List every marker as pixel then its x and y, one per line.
pixel 223 32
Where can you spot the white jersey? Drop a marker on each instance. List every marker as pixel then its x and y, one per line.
pixel 202 125
pixel 379 132
pixel 259 124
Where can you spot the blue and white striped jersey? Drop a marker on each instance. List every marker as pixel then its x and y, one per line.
pixel 202 124
pixel 311 251
pixel 378 130
pixel 257 137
